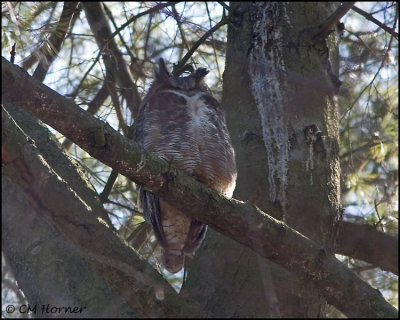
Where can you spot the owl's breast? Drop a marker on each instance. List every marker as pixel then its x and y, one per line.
pixel 190 130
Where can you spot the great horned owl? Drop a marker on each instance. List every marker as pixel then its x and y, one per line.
pixel 179 120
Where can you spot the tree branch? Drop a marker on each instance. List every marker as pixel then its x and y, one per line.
pixel 238 220
pixel 377 22
pixel 93 106
pixel 55 41
pixel 115 65
pixel 178 68
pixel 156 8
pixel 12 53
pixel 363 147
pixel 226 7
pixel 46 197
pixel 365 243
pixel 52 273
pixel 112 56
pixel 149 11
pixel 326 28
pixel 60 162
pixel 34 56
pixel 121 38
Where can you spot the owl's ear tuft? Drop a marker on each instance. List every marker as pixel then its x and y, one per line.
pixel 199 74
pixel 161 73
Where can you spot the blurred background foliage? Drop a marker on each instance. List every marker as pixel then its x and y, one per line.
pixel 368 101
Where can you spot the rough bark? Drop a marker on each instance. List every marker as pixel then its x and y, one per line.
pixel 71 257
pixel 277 83
pixel 50 270
pixel 93 106
pixel 60 162
pixel 243 222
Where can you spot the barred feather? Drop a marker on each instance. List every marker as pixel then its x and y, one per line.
pixel 179 120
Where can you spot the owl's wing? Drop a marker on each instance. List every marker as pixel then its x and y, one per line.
pixel 151 212
pixel 195 237
pixel 150 202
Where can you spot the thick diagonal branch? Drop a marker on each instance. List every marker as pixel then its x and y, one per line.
pixel 238 220
pixel 47 196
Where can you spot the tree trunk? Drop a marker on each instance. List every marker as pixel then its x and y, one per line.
pixel 279 99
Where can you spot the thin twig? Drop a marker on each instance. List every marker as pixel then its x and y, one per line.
pixel 180 65
pixel 117 107
pixel 112 56
pixel 147 38
pixel 376 74
pixel 110 16
pixel 34 56
pixel 385 105
pixel 123 206
pixel 109 185
pixel 383 9
pixel 156 8
pixel 12 53
pixel 139 236
pixel 362 42
pixel 179 24
pixel 75 92
pixel 151 10
pixel 365 146
pixel 224 5
pixel 377 22
pixel 212 39
pixel 379 222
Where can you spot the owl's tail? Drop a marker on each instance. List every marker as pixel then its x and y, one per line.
pixel 173 260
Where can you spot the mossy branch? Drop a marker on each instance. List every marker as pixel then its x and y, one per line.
pixel 238 220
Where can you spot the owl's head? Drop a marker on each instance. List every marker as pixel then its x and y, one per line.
pixel 190 82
